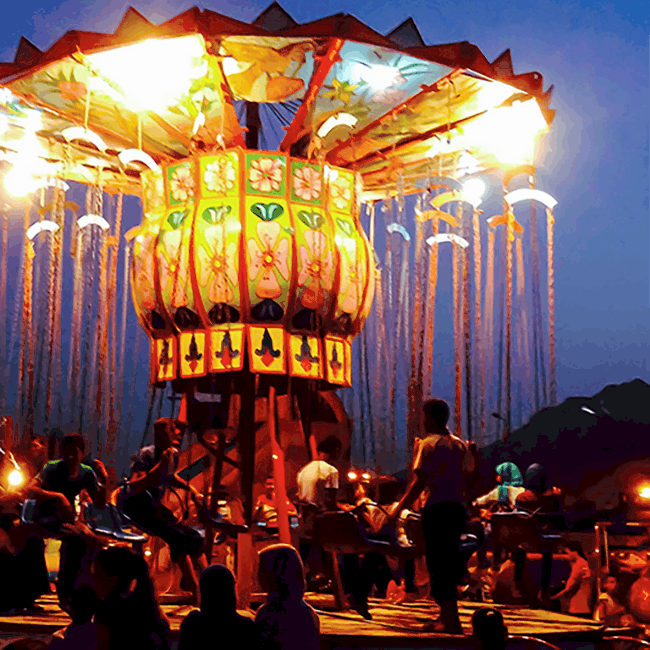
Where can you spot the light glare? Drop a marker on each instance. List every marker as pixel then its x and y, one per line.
pixel 154 74
pixel 15 478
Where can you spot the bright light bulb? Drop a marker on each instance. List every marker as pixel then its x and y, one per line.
pixel 474 191
pixel 19 182
pixel 379 77
pixel 509 132
pixel 15 478
pixel 154 74
pixel 644 493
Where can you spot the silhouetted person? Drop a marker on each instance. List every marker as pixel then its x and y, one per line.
pixel 442 464
pixel 82 632
pixel 218 617
pixel 489 629
pixel 128 615
pixel 286 621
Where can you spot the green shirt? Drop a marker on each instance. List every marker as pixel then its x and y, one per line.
pixel 55 478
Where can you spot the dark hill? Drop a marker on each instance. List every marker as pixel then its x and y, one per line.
pixel 576 446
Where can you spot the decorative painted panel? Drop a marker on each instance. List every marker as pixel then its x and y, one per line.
pixel 267 350
pixel 227 348
pixel 305 356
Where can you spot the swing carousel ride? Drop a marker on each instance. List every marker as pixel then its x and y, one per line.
pixel 258 150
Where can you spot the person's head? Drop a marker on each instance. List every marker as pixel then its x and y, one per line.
pixel 217 585
pixel 329 448
pixel 38 447
pixel 364 489
pixel 168 432
pixel 281 571
pixel 269 486
pixel 115 569
pixel 388 492
pixel 488 627
pixel 574 550
pixel 609 583
pixel 84 604
pixel 436 415
pixel 73 449
pixel 535 479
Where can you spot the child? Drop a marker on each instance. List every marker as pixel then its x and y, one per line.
pixel 218 615
pixel 286 622
pixel 609 610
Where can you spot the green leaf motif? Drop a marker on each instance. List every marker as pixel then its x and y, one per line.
pixel 267 211
pixel 346 226
pixel 311 219
pixel 216 214
pixel 175 219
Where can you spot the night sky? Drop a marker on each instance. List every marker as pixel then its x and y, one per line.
pixel 596 162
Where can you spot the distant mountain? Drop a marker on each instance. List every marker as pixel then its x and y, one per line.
pixel 581 438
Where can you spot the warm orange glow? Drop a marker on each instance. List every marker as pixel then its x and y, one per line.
pixel 644 492
pixel 352 476
pixel 15 478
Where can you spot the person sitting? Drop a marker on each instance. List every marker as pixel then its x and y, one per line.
pixel 537 495
pixel 266 511
pixel 82 632
pixel 153 472
pixel 578 587
pixel 509 485
pixel 128 615
pixel 318 483
pixel 609 611
pixel 489 629
pixel 403 588
pixel 286 621
pixel 56 489
pixel 218 614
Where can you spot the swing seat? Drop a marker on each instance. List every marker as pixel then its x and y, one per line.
pixel 341 532
pixel 532 533
pixel 109 522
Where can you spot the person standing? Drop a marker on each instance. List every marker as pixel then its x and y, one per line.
pixel 578 587
pixel 442 463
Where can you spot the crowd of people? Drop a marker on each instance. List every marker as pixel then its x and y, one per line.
pixel 109 594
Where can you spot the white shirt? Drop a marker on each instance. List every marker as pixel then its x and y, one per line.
pixel 313 479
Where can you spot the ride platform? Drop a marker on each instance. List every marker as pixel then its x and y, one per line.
pixel 393 626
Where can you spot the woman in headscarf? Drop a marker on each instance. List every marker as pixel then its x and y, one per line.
pixel 286 621
pixel 218 617
pixel 509 486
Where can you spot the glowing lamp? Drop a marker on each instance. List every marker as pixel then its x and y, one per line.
pixel 365 476
pixel 19 182
pixel 474 191
pixel 644 492
pixel 15 478
pixel 352 476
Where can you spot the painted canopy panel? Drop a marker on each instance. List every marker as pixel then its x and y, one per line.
pixel 335 90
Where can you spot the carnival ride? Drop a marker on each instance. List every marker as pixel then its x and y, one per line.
pixel 251 272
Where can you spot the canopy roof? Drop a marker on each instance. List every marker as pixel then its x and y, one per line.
pixel 332 89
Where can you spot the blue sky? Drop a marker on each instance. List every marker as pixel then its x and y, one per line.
pixel 597 56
